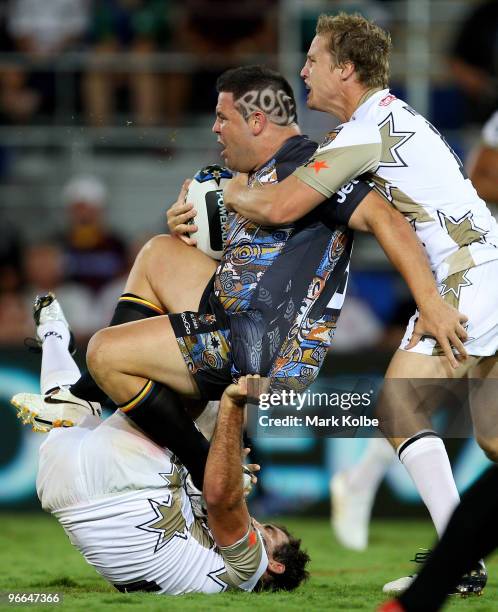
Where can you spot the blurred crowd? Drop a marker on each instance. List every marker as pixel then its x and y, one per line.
pixel 86 265
pixel 155 61
pixel 117 55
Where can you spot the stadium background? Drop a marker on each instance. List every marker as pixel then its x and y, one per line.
pixel 157 61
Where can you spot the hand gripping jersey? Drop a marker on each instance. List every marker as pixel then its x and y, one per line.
pixel 280 289
pixel 490 132
pixel 121 500
pixel 413 166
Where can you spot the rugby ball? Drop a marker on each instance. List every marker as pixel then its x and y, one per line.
pixel 206 194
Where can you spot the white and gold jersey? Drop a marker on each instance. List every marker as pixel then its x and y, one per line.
pixel 413 166
pixel 490 132
pixel 121 500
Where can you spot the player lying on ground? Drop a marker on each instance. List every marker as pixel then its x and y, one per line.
pixel 381 137
pixel 121 500
pixel 274 299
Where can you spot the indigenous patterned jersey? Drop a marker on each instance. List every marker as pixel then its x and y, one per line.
pixel 413 166
pixel 121 500
pixel 490 131
pixel 282 288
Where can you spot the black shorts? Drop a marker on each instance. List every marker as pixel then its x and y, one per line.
pixel 206 349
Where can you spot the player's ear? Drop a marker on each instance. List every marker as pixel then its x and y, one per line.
pixel 257 122
pixel 347 70
pixel 276 567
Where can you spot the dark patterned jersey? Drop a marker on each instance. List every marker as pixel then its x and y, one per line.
pixel 281 289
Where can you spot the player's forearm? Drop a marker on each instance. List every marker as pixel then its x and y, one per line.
pixel 483 172
pixel 255 203
pixel 277 204
pixel 223 474
pixel 407 255
pixel 486 186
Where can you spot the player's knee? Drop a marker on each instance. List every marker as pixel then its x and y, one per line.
pixel 96 355
pixel 489 446
pixel 154 250
pixel 157 248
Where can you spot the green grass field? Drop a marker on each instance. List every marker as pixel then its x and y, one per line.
pixel 35 555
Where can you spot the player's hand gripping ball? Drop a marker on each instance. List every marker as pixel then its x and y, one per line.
pixel 206 194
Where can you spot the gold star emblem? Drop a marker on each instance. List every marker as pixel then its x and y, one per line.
pixel 453 284
pixel 221 577
pixel 392 141
pixel 168 521
pixel 462 231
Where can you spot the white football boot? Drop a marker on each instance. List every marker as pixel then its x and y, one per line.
pixel 350 513
pixel 58 409
pixel 396 587
pixel 46 308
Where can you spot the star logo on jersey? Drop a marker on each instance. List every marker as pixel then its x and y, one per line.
pixel 168 521
pixel 253 539
pixel 454 283
pixel 222 579
pixel 319 165
pixel 316 165
pixel 463 231
pixel 215 343
pixel 330 137
pixel 392 141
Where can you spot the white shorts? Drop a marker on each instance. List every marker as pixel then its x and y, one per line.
pixel 474 293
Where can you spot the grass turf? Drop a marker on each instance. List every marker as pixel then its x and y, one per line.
pixel 35 555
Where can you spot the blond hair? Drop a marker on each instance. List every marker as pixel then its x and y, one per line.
pixel 352 38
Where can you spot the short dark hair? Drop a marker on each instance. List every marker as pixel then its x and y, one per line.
pixel 260 88
pixel 295 560
pixel 355 39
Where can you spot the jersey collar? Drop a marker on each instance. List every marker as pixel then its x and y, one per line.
pixel 369 98
pixel 283 152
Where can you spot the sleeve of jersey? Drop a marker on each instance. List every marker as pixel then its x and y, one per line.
pixel 490 132
pixel 355 150
pixel 337 210
pixel 246 560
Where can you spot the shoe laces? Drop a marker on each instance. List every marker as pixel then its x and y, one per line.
pixel 422 556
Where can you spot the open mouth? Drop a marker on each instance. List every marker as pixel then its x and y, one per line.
pixel 223 151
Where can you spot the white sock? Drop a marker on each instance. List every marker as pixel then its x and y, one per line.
pixel 426 460
pixel 368 473
pixel 58 368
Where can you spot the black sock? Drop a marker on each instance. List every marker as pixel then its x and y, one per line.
pixel 471 534
pixel 159 412
pixel 129 308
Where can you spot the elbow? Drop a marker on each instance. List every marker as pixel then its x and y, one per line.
pixel 214 496
pixel 218 498
pixel 217 502
pixel 280 215
pixel 279 208
pixel 276 218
